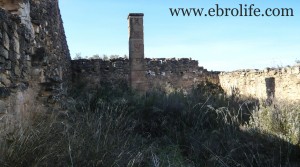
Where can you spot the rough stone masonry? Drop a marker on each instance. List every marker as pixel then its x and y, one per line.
pixel 35 62
pixel 279 83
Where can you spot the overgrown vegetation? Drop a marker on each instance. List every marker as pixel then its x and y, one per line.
pixel 116 127
pixel 281 120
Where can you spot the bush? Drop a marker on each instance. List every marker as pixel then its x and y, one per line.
pixel 279 119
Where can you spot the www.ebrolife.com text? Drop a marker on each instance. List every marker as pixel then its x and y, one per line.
pixel 242 10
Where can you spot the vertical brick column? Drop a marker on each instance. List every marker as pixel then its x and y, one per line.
pixel 136 52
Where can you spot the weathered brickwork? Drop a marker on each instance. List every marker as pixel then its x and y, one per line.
pixel 34 56
pixel 136 52
pixel 280 83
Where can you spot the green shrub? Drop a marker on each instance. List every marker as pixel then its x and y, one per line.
pixel 279 119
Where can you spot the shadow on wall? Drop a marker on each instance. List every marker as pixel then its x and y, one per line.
pixel 280 83
pixel 270 91
pixel 270 88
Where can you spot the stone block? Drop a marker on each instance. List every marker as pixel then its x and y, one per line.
pixel 17 71
pixel 18 56
pixel 3 107
pixel 3 52
pixel 28 63
pixel 3 79
pixel 266 70
pixel 7 65
pixel 4 25
pixel 289 70
pixel 272 72
pixel 16 45
pixel 5 41
pixel 296 70
pixel 36 71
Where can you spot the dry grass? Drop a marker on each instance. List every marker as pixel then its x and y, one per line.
pixel 114 127
pixel 281 119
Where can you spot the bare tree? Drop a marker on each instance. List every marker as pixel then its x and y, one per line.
pixel 96 56
pixel 105 57
pixel 77 56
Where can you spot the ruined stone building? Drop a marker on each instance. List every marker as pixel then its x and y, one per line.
pixel 142 73
pixel 35 64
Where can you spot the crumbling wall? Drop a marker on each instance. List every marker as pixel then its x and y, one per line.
pixel 50 57
pixel 92 72
pixel 34 56
pixel 181 73
pixel 279 83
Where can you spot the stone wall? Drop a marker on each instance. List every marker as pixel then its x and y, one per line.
pixel 34 56
pixel 281 83
pixel 51 61
pixel 92 72
pixel 179 73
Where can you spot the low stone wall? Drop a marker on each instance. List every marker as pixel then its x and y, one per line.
pixel 179 73
pixel 92 72
pixel 281 83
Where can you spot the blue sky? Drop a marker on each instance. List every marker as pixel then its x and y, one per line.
pixel 218 43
